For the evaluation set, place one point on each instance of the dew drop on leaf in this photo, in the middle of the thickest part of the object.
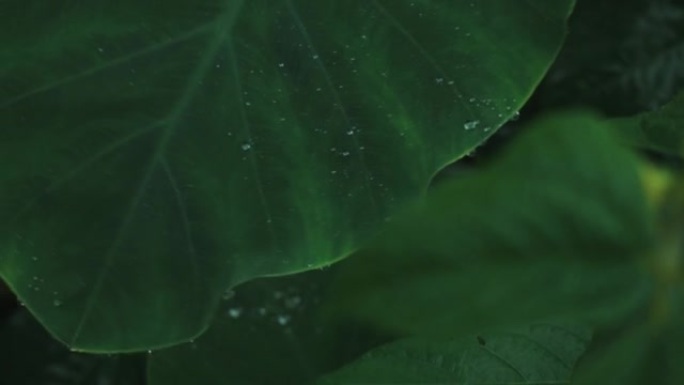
(470, 125)
(283, 319)
(234, 312)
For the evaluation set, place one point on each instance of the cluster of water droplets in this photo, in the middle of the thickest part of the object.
(280, 307)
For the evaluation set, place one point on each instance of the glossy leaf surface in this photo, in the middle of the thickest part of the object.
(557, 226)
(153, 155)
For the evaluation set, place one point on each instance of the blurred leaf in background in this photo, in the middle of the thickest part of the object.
(556, 227)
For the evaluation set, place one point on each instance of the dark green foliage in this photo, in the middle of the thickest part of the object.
(249, 192)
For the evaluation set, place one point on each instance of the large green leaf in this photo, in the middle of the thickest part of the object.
(153, 155)
(539, 354)
(556, 227)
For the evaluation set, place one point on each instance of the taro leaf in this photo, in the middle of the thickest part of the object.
(30, 356)
(661, 130)
(267, 332)
(538, 354)
(154, 155)
(553, 228)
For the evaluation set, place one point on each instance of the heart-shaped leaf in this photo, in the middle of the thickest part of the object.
(153, 155)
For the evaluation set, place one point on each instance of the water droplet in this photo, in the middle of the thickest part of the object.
(56, 303)
(248, 104)
(246, 146)
(34, 258)
(516, 116)
(471, 124)
(283, 319)
(315, 57)
(439, 80)
(345, 153)
(234, 312)
(281, 65)
(262, 311)
(149, 352)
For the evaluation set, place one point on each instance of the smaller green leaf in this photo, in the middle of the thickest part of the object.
(539, 354)
(556, 227)
(661, 130)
